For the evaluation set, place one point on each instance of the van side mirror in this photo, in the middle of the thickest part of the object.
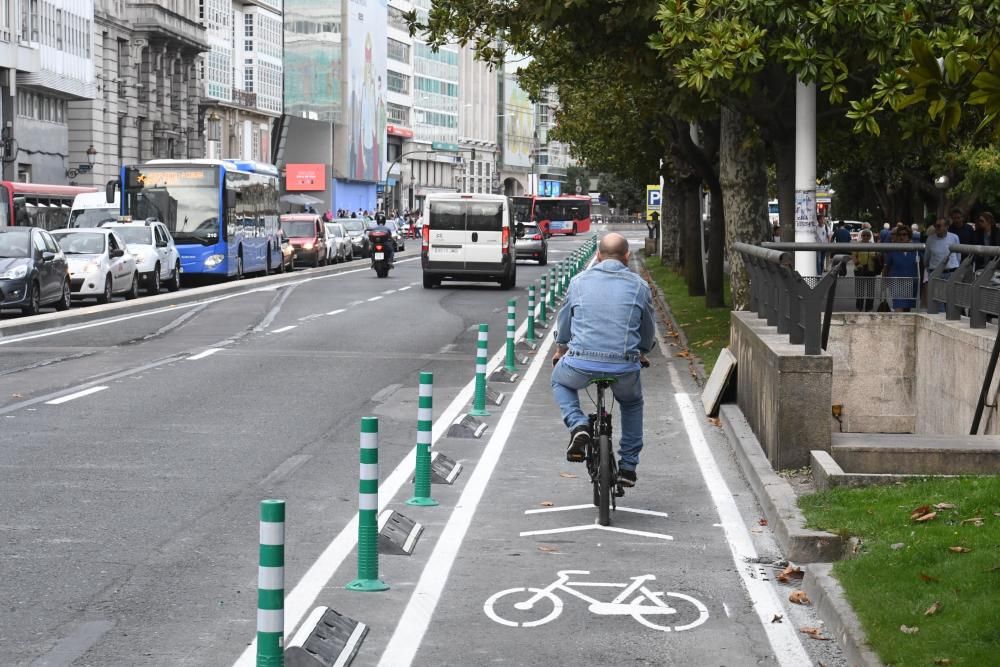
(519, 230)
(109, 191)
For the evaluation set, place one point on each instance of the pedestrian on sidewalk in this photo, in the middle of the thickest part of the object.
(866, 266)
(604, 329)
(903, 266)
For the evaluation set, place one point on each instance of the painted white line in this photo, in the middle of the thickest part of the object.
(414, 284)
(403, 289)
(207, 353)
(74, 396)
(412, 537)
(352, 641)
(319, 574)
(337, 312)
(375, 298)
(544, 510)
(639, 511)
(594, 526)
(389, 291)
(416, 618)
(284, 329)
(783, 636)
(158, 311)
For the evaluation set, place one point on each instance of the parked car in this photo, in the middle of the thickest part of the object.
(33, 271)
(469, 237)
(308, 237)
(156, 256)
(100, 265)
(358, 231)
(337, 237)
(287, 253)
(531, 244)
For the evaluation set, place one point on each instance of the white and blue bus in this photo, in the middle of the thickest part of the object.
(223, 214)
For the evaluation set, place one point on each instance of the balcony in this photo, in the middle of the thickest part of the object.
(158, 21)
(244, 99)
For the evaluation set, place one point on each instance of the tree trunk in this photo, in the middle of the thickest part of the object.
(670, 223)
(691, 212)
(743, 177)
(714, 277)
(784, 167)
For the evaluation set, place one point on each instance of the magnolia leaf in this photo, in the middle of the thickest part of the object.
(546, 503)
(944, 506)
(926, 517)
(799, 597)
(933, 609)
(908, 630)
(959, 550)
(567, 475)
(814, 633)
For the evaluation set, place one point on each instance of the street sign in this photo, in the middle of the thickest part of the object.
(443, 146)
(654, 197)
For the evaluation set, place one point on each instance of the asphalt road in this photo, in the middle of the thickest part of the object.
(133, 456)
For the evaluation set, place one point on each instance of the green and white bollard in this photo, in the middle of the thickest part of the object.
(425, 421)
(368, 580)
(510, 363)
(529, 335)
(479, 399)
(543, 304)
(271, 585)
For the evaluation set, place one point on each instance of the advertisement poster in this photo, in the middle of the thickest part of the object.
(312, 59)
(519, 123)
(805, 210)
(365, 113)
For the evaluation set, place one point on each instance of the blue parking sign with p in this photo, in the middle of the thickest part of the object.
(653, 198)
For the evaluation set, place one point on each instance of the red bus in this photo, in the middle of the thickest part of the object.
(568, 214)
(36, 204)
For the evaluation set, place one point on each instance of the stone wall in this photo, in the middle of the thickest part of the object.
(874, 371)
(784, 394)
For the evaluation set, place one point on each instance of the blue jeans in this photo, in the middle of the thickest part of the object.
(568, 381)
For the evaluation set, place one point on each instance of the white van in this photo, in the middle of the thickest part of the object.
(468, 237)
(90, 209)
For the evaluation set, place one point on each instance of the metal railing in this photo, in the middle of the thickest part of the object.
(802, 306)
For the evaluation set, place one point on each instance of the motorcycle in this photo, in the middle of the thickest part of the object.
(379, 261)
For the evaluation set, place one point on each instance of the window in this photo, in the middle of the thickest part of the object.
(397, 114)
(398, 51)
(397, 83)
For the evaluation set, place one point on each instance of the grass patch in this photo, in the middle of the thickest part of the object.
(894, 587)
(707, 329)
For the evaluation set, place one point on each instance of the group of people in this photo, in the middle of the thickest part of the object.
(913, 266)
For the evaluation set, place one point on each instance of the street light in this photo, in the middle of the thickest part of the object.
(92, 155)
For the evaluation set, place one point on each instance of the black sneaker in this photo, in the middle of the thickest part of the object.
(579, 439)
(626, 477)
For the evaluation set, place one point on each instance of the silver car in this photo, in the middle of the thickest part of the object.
(341, 248)
(532, 244)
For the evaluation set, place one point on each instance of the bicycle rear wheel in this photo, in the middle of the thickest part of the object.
(604, 480)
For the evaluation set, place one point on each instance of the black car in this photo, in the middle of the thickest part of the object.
(33, 271)
(358, 231)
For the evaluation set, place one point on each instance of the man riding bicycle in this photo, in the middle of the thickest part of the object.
(605, 328)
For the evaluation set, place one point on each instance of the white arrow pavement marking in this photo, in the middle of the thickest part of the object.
(74, 396)
(568, 508)
(594, 526)
(319, 574)
(207, 353)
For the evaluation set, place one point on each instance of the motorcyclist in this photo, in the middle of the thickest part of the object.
(381, 233)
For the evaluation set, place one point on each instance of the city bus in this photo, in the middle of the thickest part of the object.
(567, 214)
(37, 204)
(223, 214)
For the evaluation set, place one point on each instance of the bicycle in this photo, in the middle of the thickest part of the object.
(646, 603)
(601, 465)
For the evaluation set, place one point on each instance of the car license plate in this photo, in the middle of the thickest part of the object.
(380, 255)
(446, 250)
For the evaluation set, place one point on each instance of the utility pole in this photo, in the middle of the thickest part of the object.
(805, 175)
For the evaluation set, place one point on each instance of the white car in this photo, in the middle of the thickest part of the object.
(100, 265)
(156, 256)
(339, 242)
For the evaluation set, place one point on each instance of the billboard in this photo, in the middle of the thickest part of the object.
(312, 59)
(519, 121)
(653, 200)
(361, 156)
(305, 177)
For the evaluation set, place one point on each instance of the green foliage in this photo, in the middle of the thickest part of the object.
(623, 193)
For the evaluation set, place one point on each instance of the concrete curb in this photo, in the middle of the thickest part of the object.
(831, 605)
(798, 543)
(79, 316)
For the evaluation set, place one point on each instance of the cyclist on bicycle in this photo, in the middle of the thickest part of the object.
(604, 329)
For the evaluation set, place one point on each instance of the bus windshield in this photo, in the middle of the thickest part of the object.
(186, 199)
(521, 207)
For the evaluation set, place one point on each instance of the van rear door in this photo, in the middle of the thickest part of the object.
(484, 234)
(447, 235)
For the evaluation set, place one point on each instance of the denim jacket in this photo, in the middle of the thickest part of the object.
(607, 315)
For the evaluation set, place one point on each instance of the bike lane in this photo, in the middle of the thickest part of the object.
(535, 581)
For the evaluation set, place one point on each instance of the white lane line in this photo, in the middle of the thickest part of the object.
(389, 291)
(284, 329)
(414, 284)
(375, 298)
(337, 312)
(299, 601)
(416, 618)
(207, 353)
(783, 636)
(74, 396)
(403, 289)
(157, 311)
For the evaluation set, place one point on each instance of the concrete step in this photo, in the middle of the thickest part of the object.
(916, 454)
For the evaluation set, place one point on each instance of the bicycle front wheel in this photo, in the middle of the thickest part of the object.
(604, 480)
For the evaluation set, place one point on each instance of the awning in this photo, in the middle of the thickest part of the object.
(301, 200)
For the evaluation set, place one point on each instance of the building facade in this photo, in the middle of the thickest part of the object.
(399, 108)
(477, 119)
(519, 143)
(551, 157)
(242, 76)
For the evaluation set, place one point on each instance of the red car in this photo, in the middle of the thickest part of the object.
(307, 234)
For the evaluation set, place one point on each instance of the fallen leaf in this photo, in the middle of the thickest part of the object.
(567, 475)
(16, 396)
(897, 546)
(547, 503)
(776, 618)
(976, 521)
(942, 661)
(944, 506)
(547, 549)
(814, 633)
(959, 550)
(715, 421)
(926, 517)
(933, 609)
(920, 511)
(789, 573)
(928, 578)
(762, 522)
(706, 343)
(908, 630)
(996, 514)
(799, 597)
(683, 353)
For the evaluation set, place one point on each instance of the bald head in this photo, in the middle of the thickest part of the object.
(613, 246)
